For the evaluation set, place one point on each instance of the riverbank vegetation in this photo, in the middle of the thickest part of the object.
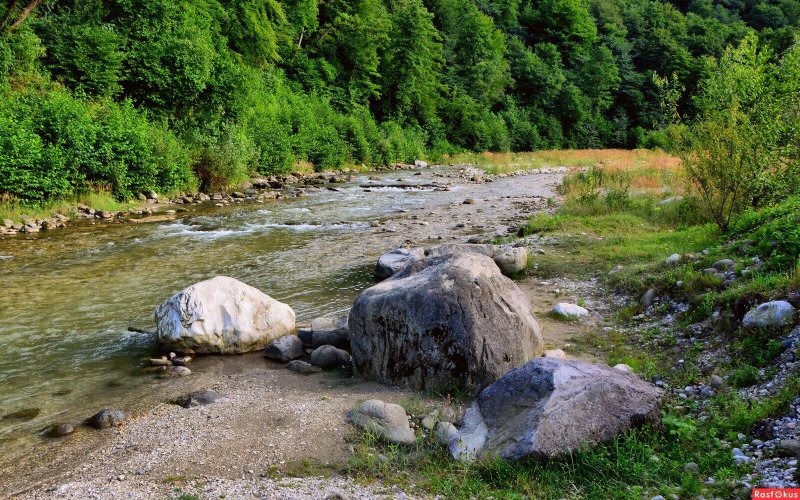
(176, 96)
(656, 230)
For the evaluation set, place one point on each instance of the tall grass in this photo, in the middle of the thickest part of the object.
(609, 159)
(14, 209)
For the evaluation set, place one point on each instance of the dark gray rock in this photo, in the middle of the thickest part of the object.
(107, 418)
(60, 430)
(646, 300)
(549, 407)
(328, 356)
(302, 367)
(443, 322)
(724, 265)
(789, 448)
(325, 331)
(199, 398)
(285, 349)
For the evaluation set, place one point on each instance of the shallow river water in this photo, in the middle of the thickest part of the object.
(69, 296)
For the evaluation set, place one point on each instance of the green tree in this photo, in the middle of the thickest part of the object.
(742, 148)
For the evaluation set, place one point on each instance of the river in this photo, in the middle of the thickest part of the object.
(69, 296)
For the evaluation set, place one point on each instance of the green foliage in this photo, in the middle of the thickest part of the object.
(55, 145)
(741, 151)
(262, 85)
(775, 232)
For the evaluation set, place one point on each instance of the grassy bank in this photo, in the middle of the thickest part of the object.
(15, 210)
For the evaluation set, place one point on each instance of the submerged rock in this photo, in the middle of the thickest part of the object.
(23, 414)
(222, 315)
(443, 322)
(549, 407)
(389, 421)
(107, 418)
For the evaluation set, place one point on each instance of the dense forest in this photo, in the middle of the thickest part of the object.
(127, 95)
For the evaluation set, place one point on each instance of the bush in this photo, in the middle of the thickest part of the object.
(56, 146)
(744, 376)
(775, 232)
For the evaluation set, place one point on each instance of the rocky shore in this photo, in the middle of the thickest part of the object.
(268, 417)
(154, 208)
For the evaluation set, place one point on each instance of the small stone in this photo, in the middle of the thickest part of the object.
(569, 311)
(691, 467)
(672, 259)
(469, 201)
(389, 421)
(429, 422)
(646, 300)
(555, 353)
(623, 368)
(285, 349)
(176, 371)
(181, 360)
(163, 361)
(302, 367)
(615, 270)
(327, 356)
(200, 398)
(107, 418)
(716, 381)
(60, 430)
(724, 265)
(445, 432)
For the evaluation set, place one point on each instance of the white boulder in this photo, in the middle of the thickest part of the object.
(222, 315)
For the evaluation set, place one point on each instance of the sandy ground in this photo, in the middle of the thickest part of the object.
(270, 418)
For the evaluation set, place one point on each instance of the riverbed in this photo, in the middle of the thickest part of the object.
(69, 296)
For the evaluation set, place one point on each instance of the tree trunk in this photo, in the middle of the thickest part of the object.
(24, 14)
(12, 4)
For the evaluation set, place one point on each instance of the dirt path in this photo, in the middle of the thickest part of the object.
(270, 418)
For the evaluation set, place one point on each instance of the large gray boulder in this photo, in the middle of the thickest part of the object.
(443, 322)
(548, 407)
(222, 315)
(396, 260)
(770, 315)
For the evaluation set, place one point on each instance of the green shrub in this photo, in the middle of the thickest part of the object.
(744, 376)
(775, 231)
